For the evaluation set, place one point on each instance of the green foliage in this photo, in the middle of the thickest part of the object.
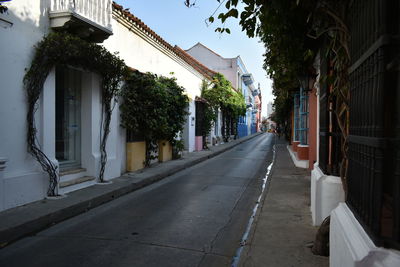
(177, 147)
(153, 107)
(176, 104)
(283, 106)
(3, 9)
(65, 49)
(211, 107)
(142, 111)
(283, 27)
(284, 32)
(221, 95)
(59, 48)
(292, 32)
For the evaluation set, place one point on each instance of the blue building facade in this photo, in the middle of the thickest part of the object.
(242, 128)
(246, 124)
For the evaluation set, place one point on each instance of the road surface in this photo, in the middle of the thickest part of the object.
(195, 217)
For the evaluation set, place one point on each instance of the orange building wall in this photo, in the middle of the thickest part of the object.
(312, 131)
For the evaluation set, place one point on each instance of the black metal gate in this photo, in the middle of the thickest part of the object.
(199, 127)
(374, 155)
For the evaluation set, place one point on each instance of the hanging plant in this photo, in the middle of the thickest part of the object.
(154, 108)
(60, 48)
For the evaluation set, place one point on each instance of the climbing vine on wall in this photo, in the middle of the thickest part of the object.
(220, 95)
(153, 108)
(59, 48)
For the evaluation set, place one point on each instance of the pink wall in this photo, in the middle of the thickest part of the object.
(198, 143)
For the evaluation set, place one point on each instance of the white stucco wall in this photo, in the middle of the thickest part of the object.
(22, 179)
(209, 58)
(188, 134)
(227, 66)
(231, 72)
(142, 53)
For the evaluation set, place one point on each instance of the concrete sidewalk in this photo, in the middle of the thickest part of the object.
(28, 219)
(282, 231)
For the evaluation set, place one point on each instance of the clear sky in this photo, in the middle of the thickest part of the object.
(185, 27)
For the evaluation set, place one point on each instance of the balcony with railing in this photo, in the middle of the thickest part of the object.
(89, 19)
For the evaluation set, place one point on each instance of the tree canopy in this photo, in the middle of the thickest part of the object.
(292, 32)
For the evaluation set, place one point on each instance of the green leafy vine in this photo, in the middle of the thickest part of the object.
(220, 95)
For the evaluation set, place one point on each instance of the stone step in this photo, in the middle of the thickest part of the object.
(73, 171)
(77, 181)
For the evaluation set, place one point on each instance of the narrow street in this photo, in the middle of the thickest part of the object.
(193, 218)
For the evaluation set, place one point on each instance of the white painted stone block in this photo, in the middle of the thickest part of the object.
(326, 193)
(350, 246)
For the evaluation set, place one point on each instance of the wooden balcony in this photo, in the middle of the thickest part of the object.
(89, 19)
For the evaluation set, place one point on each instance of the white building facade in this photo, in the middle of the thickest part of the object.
(69, 111)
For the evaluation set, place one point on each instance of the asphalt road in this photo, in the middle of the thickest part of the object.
(193, 218)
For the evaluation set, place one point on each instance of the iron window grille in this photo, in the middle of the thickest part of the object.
(373, 143)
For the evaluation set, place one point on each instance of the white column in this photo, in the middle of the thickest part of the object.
(48, 117)
(91, 120)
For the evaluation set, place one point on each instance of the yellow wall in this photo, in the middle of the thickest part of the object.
(164, 151)
(135, 156)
